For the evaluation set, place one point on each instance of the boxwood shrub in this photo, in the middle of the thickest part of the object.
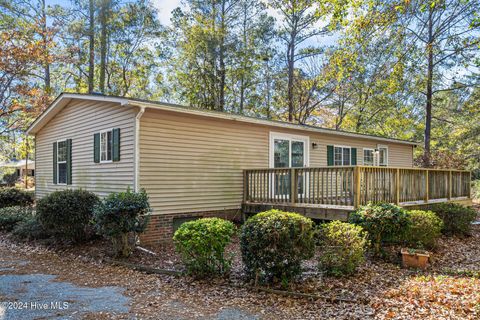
(342, 247)
(202, 244)
(67, 214)
(10, 197)
(121, 215)
(274, 243)
(457, 219)
(11, 216)
(384, 222)
(424, 229)
(30, 229)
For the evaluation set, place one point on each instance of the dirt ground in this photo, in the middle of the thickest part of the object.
(450, 289)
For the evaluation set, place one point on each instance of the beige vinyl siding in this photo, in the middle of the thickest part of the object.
(192, 163)
(78, 121)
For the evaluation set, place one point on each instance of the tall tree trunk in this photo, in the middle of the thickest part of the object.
(46, 66)
(91, 36)
(291, 66)
(428, 107)
(105, 8)
(221, 70)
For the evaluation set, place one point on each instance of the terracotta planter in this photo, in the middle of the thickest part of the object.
(412, 258)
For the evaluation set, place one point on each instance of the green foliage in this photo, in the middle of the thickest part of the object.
(383, 222)
(343, 247)
(10, 179)
(456, 218)
(274, 243)
(424, 229)
(10, 197)
(202, 243)
(67, 214)
(30, 229)
(120, 214)
(476, 189)
(11, 216)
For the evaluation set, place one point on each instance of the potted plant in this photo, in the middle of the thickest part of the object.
(415, 258)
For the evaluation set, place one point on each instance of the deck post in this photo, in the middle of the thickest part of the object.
(397, 187)
(245, 186)
(449, 184)
(293, 186)
(357, 195)
(426, 186)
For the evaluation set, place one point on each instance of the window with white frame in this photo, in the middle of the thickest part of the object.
(383, 155)
(62, 162)
(342, 156)
(368, 157)
(106, 146)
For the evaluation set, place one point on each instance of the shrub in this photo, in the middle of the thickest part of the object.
(343, 247)
(67, 214)
(11, 216)
(274, 243)
(30, 229)
(10, 197)
(119, 215)
(424, 229)
(202, 243)
(476, 189)
(10, 179)
(383, 222)
(456, 218)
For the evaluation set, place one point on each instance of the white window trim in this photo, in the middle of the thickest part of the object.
(344, 147)
(59, 162)
(100, 146)
(363, 156)
(386, 156)
(290, 138)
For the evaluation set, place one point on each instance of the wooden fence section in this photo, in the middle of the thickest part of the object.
(352, 186)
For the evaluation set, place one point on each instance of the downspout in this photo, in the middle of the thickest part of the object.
(137, 148)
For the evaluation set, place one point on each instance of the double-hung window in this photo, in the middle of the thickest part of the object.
(368, 157)
(62, 162)
(342, 156)
(383, 155)
(106, 146)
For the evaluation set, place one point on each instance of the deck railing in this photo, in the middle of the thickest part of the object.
(353, 186)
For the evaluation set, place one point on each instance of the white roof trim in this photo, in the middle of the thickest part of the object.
(64, 98)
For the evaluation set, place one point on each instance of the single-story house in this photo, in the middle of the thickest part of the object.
(20, 167)
(194, 163)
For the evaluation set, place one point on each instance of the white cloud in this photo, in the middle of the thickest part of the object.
(165, 8)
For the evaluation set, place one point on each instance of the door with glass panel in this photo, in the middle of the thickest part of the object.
(288, 153)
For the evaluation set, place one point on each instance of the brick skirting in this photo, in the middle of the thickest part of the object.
(160, 228)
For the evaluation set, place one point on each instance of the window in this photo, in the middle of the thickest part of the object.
(62, 162)
(342, 156)
(383, 155)
(106, 146)
(368, 157)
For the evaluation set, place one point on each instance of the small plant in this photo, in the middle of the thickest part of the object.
(202, 243)
(67, 214)
(424, 229)
(343, 247)
(11, 216)
(30, 229)
(120, 215)
(10, 179)
(383, 222)
(457, 219)
(274, 243)
(10, 197)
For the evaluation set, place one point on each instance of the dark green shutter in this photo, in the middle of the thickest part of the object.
(330, 155)
(96, 147)
(69, 161)
(354, 156)
(54, 163)
(116, 145)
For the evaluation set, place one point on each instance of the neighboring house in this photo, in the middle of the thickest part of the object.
(192, 162)
(20, 167)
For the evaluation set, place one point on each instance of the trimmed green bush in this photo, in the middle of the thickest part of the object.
(202, 244)
(424, 229)
(30, 229)
(10, 179)
(343, 248)
(11, 197)
(11, 216)
(274, 244)
(457, 219)
(384, 222)
(67, 214)
(120, 215)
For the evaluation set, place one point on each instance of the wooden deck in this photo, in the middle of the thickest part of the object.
(330, 193)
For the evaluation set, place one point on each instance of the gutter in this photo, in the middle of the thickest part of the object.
(137, 148)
